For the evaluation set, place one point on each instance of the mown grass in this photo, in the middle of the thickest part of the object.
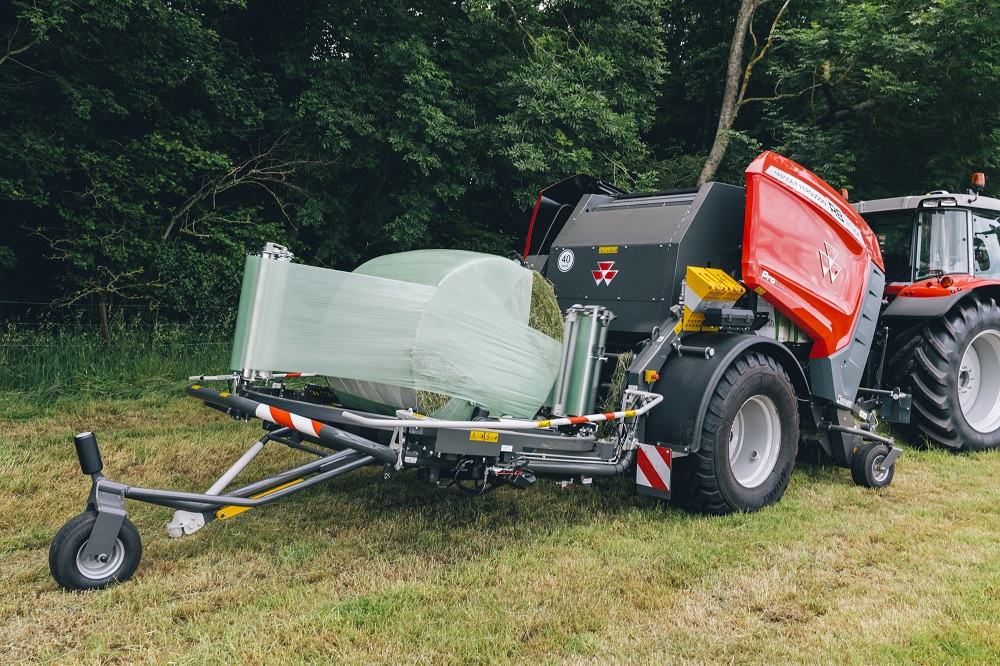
(363, 571)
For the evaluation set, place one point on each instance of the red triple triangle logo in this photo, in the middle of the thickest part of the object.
(604, 273)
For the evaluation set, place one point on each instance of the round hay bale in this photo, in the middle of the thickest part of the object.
(482, 279)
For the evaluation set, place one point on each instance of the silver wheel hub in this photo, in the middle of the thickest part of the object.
(754, 441)
(98, 568)
(879, 473)
(979, 382)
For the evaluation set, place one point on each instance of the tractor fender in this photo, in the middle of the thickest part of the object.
(910, 307)
(928, 300)
(688, 380)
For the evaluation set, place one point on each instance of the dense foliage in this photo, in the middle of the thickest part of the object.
(146, 146)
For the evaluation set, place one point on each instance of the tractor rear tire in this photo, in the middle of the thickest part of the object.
(749, 441)
(951, 366)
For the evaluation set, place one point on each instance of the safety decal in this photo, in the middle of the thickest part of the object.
(652, 470)
(604, 273)
(821, 200)
(565, 260)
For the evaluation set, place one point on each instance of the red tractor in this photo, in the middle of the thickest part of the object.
(940, 316)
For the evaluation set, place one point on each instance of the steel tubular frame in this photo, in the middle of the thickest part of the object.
(107, 497)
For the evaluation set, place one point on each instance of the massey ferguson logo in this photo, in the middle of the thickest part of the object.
(828, 260)
(604, 273)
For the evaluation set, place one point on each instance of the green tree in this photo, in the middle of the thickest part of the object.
(149, 145)
(891, 98)
(442, 122)
(124, 125)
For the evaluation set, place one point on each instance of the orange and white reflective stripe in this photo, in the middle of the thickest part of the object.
(652, 399)
(593, 418)
(287, 419)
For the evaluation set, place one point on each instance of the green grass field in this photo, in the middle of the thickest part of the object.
(361, 571)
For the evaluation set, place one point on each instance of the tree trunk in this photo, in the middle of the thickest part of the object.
(730, 98)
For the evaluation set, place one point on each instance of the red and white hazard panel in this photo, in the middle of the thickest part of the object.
(652, 470)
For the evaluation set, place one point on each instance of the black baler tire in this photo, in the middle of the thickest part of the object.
(706, 481)
(73, 536)
(863, 466)
(926, 364)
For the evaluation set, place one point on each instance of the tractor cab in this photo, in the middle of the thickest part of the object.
(935, 236)
(940, 317)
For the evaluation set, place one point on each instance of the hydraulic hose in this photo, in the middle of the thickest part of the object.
(582, 468)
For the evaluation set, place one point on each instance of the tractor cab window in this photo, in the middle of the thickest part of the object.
(986, 243)
(942, 243)
(895, 240)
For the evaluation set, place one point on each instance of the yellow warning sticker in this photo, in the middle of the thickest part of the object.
(760, 290)
(480, 436)
(608, 249)
(544, 424)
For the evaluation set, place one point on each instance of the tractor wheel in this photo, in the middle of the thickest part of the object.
(951, 365)
(866, 466)
(748, 442)
(73, 571)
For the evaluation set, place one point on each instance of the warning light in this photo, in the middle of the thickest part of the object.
(978, 181)
(843, 193)
(947, 281)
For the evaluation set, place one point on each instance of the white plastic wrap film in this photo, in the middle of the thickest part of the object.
(442, 321)
(488, 276)
(383, 394)
(312, 319)
(262, 278)
(473, 342)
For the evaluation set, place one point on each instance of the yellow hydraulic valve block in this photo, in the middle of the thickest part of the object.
(704, 288)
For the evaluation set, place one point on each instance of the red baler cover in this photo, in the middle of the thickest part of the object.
(806, 251)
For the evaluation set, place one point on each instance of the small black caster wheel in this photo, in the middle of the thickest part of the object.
(73, 571)
(866, 466)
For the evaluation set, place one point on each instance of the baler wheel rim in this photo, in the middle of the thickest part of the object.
(754, 441)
